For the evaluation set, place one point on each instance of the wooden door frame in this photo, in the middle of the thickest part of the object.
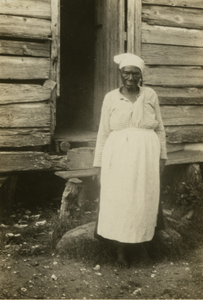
(55, 59)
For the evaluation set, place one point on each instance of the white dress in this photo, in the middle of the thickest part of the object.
(130, 142)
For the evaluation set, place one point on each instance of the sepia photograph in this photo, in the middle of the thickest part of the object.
(101, 149)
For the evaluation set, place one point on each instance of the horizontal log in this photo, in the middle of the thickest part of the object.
(25, 115)
(184, 157)
(174, 76)
(24, 137)
(31, 8)
(74, 136)
(172, 16)
(180, 3)
(184, 146)
(77, 174)
(172, 55)
(171, 35)
(22, 27)
(182, 115)
(24, 68)
(179, 96)
(184, 134)
(22, 48)
(174, 147)
(80, 158)
(31, 161)
(15, 93)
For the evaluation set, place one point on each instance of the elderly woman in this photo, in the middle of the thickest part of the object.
(130, 154)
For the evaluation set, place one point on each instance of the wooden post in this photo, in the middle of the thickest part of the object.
(72, 199)
(7, 194)
(55, 57)
(134, 31)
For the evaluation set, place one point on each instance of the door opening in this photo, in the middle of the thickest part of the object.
(74, 109)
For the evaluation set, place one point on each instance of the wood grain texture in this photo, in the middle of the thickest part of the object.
(174, 147)
(77, 174)
(172, 16)
(55, 45)
(23, 27)
(182, 115)
(55, 59)
(171, 35)
(24, 68)
(31, 161)
(172, 55)
(16, 93)
(24, 48)
(31, 8)
(179, 96)
(24, 137)
(25, 115)
(174, 76)
(184, 134)
(180, 3)
(184, 157)
(134, 26)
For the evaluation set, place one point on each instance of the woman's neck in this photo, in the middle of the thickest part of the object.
(130, 92)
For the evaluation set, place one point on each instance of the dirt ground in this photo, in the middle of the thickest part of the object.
(31, 268)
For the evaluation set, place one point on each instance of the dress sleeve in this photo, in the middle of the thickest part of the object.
(103, 133)
(160, 129)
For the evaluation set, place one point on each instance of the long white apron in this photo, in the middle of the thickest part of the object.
(129, 186)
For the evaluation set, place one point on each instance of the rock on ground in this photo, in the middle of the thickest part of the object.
(81, 232)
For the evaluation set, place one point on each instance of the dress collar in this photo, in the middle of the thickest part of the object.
(122, 97)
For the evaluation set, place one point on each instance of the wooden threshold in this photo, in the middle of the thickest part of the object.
(74, 135)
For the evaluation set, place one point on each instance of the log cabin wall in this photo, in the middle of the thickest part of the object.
(172, 48)
(28, 56)
(168, 35)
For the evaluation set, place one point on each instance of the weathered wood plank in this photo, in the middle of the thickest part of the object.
(182, 115)
(16, 93)
(179, 96)
(21, 27)
(77, 174)
(184, 134)
(174, 76)
(174, 147)
(30, 161)
(74, 136)
(172, 55)
(24, 48)
(184, 146)
(134, 26)
(24, 137)
(180, 3)
(80, 158)
(25, 115)
(31, 8)
(171, 35)
(184, 157)
(55, 58)
(24, 68)
(172, 16)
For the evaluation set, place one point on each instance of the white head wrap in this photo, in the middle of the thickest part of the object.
(128, 59)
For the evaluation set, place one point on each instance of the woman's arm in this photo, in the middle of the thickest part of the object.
(160, 130)
(103, 133)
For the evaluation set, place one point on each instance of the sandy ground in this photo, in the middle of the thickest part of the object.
(30, 268)
(53, 277)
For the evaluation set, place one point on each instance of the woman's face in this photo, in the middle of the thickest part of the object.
(130, 76)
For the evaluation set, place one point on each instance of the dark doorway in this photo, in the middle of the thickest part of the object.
(74, 109)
